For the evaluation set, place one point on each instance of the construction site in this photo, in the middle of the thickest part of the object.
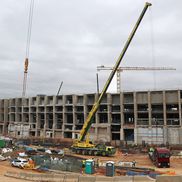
(93, 137)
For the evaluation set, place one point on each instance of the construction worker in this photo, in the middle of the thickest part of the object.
(31, 163)
(151, 149)
(83, 163)
(83, 166)
(133, 163)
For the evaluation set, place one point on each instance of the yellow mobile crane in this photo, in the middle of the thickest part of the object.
(86, 146)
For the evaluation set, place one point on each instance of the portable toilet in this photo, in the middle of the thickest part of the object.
(110, 168)
(89, 166)
(2, 143)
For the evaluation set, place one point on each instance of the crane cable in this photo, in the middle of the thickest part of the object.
(154, 64)
(29, 27)
(28, 46)
(152, 46)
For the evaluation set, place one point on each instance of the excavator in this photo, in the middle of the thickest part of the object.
(83, 145)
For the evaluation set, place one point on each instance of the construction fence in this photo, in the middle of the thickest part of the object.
(70, 164)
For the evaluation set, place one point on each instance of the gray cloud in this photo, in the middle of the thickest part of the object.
(71, 38)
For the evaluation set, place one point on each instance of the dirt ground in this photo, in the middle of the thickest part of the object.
(142, 160)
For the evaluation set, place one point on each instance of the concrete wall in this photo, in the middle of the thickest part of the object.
(159, 135)
(136, 112)
(150, 135)
(69, 177)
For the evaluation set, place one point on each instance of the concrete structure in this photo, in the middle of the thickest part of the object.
(134, 117)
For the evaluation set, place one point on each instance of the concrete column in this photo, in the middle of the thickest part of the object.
(5, 126)
(109, 137)
(179, 106)
(180, 135)
(63, 127)
(37, 109)
(74, 115)
(164, 107)
(96, 133)
(45, 117)
(96, 120)
(135, 136)
(122, 116)
(109, 102)
(135, 109)
(85, 106)
(149, 108)
(121, 134)
(122, 109)
(135, 117)
(16, 110)
(165, 135)
(165, 129)
(54, 117)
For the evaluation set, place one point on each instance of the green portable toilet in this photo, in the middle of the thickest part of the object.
(2, 143)
(110, 168)
(89, 166)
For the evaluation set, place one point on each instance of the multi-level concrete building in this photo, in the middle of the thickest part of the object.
(150, 116)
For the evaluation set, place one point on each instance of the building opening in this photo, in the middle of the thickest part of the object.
(115, 136)
(129, 135)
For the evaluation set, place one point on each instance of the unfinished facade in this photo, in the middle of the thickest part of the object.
(133, 117)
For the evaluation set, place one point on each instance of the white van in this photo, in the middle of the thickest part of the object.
(19, 162)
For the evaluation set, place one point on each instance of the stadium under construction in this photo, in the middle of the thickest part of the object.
(153, 117)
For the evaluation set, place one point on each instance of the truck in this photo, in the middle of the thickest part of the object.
(160, 156)
(83, 145)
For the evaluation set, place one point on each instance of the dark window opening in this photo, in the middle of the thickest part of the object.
(129, 118)
(103, 108)
(128, 108)
(116, 118)
(80, 118)
(115, 108)
(115, 136)
(103, 118)
(67, 135)
(142, 107)
(143, 119)
(128, 134)
(115, 128)
(69, 118)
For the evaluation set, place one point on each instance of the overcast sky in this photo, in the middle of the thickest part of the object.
(70, 38)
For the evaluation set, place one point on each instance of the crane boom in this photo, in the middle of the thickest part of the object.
(95, 107)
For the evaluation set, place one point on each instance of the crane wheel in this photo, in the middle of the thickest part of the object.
(95, 152)
(77, 152)
(103, 153)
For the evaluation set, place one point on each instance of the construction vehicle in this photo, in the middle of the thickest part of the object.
(160, 156)
(82, 146)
